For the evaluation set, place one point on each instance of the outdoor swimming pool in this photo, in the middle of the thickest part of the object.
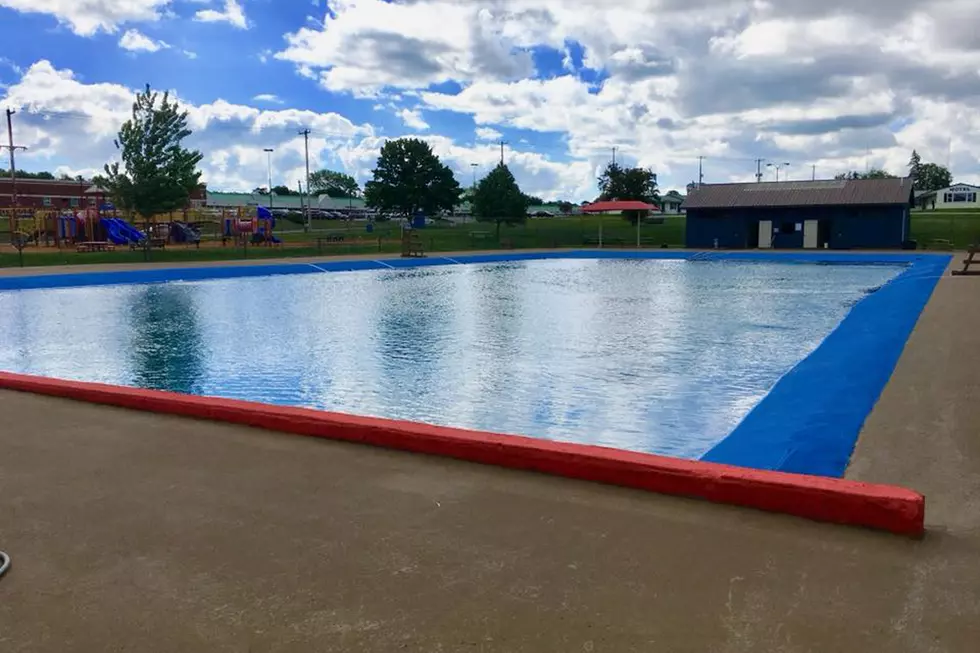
(658, 356)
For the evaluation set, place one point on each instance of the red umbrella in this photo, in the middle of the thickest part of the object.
(618, 205)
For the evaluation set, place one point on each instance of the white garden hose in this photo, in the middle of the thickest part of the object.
(4, 563)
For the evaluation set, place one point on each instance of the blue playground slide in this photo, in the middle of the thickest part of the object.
(121, 232)
(266, 214)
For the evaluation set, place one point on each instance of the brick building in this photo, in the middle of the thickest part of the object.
(57, 194)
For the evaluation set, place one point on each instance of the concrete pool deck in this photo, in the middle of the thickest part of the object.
(143, 532)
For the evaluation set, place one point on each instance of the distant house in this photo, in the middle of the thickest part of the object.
(959, 196)
(671, 203)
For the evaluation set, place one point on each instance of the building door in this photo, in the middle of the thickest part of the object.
(765, 234)
(810, 234)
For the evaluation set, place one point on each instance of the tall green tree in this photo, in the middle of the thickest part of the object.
(915, 169)
(499, 199)
(409, 178)
(157, 174)
(933, 176)
(619, 183)
(334, 184)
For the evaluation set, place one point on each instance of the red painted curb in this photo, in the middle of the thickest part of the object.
(840, 501)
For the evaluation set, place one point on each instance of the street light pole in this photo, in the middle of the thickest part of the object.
(777, 167)
(268, 151)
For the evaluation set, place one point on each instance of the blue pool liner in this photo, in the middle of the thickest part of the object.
(809, 421)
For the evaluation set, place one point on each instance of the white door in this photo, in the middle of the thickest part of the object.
(810, 234)
(765, 234)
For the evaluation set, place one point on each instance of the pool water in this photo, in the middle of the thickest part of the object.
(660, 356)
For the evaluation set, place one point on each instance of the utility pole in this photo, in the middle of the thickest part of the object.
(614, 155)
(814, 176)
(758, 170)
(700, 171)
(502, 143)
(13, 170)
(306, 144)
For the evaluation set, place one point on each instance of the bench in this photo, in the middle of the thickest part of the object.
(329, 238)
(481, 235)
(95, 246)
(412, 245)
(941, 243)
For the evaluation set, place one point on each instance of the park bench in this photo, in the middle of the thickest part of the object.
(941, 243)
(94, 246)
(412, 245)
(968, 261)
(481, 235)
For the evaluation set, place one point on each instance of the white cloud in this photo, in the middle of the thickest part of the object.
(413, 119)
(487, 134)
(269, 98)
(135, 41)
(86, 17)
(233, 14)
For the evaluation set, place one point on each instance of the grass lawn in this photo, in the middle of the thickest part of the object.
(339, 238)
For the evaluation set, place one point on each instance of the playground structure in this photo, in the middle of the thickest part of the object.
(107, 226)
(242, 229)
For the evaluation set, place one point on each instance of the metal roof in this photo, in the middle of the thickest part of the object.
(833, 192)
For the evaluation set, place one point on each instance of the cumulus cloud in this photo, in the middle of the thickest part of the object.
(135, 41)
(86, 17)
(487, 134)
(231, 13)
(413, 119)
(839, 85)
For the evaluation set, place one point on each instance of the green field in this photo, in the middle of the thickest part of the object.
(339, 238)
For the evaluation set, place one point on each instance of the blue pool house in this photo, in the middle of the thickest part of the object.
(832, 214)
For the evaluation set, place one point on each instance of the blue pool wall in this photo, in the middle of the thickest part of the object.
(809, 421)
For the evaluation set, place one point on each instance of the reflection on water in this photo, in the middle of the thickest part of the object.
(659, 356)
(165, 344)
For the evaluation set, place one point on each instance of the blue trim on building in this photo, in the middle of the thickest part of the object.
(808, 422)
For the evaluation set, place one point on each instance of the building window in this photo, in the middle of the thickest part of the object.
(46, 201)
(73, 202)
(964, 197)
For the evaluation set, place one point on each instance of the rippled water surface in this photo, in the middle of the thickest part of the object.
(658, 356)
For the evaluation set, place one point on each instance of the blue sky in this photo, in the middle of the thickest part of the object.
(838, 87)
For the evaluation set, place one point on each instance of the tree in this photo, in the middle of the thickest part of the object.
(874, 173)
(158, 174)
(409, 178)
(284, 191)
(619, 183)
(333, 184)
(23, 174)
(933, 177)
(534, 200)
(915, 170)
(565, 206)
(499, 199)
